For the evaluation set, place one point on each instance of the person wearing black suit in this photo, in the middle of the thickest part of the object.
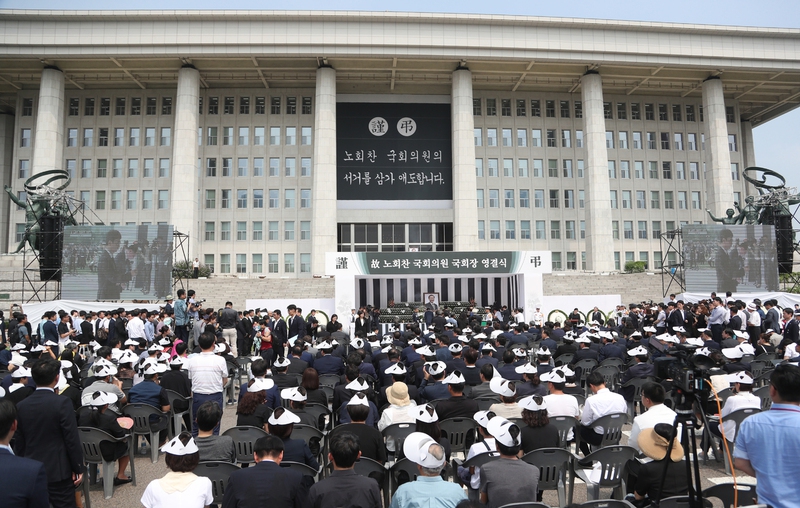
(22, 480)
(49, 328)
(279, 335)
(266, 484)
(297, 327)
(48, 432)
(361, 324)
(297, 365)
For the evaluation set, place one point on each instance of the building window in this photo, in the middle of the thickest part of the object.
(116, 199)
(225, 198)
(525, 230)
(553, 198)
(682, 200)
(608, 113)
(27, 107)
(735, 171)
(258, 136)
(305, 198)
(272, 263)
(614, 203)
(476, 107)
(119, 108)
(288, 263)
(555, 230)
(511, 230)
(550, 109)
(522, 165)
(730, 115)
(540, 230)
(551, 138)
(578, 109)
(666, 170)
(669, 203)
(305, 263)
(258, 198)
(662, 113)
(481, 230)
(289, 166)
(478, 167)
(258, 230)
(163, 199)
(538, 198)
(494, 229)
(241, 166)
(508, 200)
(536, 137)
(274, 198)
(306, 108)
(211, 166)
(732, 143)
(494, 198)
(564, 107)
(480, 197)
(581, 198)
(665, 140)
(627, 230)
(100, 200)
(130, 203)
(72, 137)
(569, 198)
(291, 105)
(289, 198)
(691, 141)
(569, 230)
(211, 198)
(536, 107)
(656, 225)
(612, 169)
(655, 200)
(241, 231)
(291, 136)
(609, 139)
(505, 107)
(241, 198)
(305, 230)
(695, 200)
(491, 107)
(23, 168)
(506, 133)
(493, 170)
(524, 198)
(491, 137)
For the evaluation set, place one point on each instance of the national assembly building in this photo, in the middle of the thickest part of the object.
(273, 138)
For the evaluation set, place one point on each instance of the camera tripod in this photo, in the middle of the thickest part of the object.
(686, 418)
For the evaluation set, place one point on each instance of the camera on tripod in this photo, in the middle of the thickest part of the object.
(689, 373)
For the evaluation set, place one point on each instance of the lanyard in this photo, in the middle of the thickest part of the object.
(785, 409)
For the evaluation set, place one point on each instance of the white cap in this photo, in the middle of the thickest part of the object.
(455, 347)
(520, 352)
(651, 329)
(424, 413)
(358, 384)
(436, 368)
(479, 336)
(740, 377)
(104, 370)
(51, 343)
(482, 418)
(20, 373)
(679, 329)
(176, 447)
(357, 343)
(488, 347)
(178, 360)
(261, 383)
(358, 399)
(127, 356)
(454, 378)
(282, 362)
(415, 341)
(154, 348)
(19, 346)
(151, 368)
(324, 345)
(695, 341)
(703, 352)
(502, 387)
(396, 368)
(425, 351)
(554, 376)
(637, 351)
(583, 339)
(100, 398)
(527, 368)
(38, 349)
(416, 448)
(293, 394)
(131, 342)
(751, 306)
(287, 418)
(466, 330)
(542, 351)
(530, 404)
(498, 428)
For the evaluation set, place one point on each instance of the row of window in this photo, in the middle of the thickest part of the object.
(540, 231)
(637, 141)
(639, 169)
(243, 136)
(136, 106)
(619, 110)
(257, 231)
(242, 198)
(572, 264)
(150, 168)
(257, 263)
(224, 166)
(131, 199)
(554, 201)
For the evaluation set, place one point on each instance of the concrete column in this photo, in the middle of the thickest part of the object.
(748, 150)
(184, 195)
(465, 205)
(6, 172)
(323, 223)
(48, 137)
(599, 241)
(719, 184)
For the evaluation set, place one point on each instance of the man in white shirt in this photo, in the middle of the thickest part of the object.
(135, 325)
(208, 373)
(604, 402)
(519, 317)
(538, 317)
(743, 399)
(653, 400)
(558, 402)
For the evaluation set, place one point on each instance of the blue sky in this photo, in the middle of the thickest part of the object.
(775, 142)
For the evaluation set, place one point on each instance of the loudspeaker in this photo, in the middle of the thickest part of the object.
(51, 240)
(784, 238)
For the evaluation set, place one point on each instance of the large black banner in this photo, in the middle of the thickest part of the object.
(388, 151)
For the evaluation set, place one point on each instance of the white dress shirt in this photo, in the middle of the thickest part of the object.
(562, 404)
(135, 328)
(206, 372)
(742, 400)
(658, 413)
(604, 402)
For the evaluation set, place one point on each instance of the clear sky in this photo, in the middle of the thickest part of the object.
(776, 142)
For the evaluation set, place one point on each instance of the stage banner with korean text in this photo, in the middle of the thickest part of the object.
(391, 151)
(421, 263)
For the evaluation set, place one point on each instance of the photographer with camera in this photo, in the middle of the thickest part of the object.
(768, 444)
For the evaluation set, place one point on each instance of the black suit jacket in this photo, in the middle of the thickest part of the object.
(48, 432)
(279, 334)
(265, 484)
(296, 326)
(23, 482)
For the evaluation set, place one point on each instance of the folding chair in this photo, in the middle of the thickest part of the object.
(565, 425)
(612, 461)
(244, 438)
(314, 438)
(144, 425)
(90, 443)
(176, 417)
(218, 473)
(554, 471)
(612, 428)
(725, 493)
(397, 433)
(460, 432)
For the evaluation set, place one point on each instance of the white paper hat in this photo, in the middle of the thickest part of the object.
(396, 368)
(455, 347)
(162, 357)
(466, 330)
(679, 329)
(637, 351)
(178, 360)
(425, 351)
(554, 376)
(324, 345)
(733, 352)
(488, 347)
(371, 334)
(293, 394)
(436, 368)
(2, 392)
(128, 356)
(542, 351)
(66, 364)
(131, 342)
(748, 348)
(282, 362)
(416, 448)
(520, 352)
(448, 325)
(651, 329)
(20, 373)
(51, 343)
(116, 354)
(94, 344)
(358, 384)
(502, 387)
(261, 383)
(479, 336)
(100, 398)
(164, 342)
(463, 338)
(286, 418)
(358, 399)
(498, 428)
(219, 347)
(424, 413)
(530, 404)
(176, 447)
(105, 369)
(740, 377)
(19, 346)
(695, 341)
(527, 368)
(415, 341)
(357, 343)
(387, 340)
(703, 352)
(637, 333)
(454, 378)
(151, 368)
(482, 417)
(38, 349)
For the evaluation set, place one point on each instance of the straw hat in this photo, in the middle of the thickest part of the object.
(654, 442)
(397, 394)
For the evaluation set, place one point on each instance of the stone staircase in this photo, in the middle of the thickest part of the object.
(216, 290)
(632, 287)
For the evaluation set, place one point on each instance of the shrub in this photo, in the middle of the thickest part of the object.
(635, 266)
(183, 270)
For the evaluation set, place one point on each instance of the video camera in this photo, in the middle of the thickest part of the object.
(689, 373)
